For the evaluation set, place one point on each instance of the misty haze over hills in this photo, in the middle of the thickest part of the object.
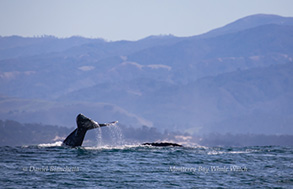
(234, 79)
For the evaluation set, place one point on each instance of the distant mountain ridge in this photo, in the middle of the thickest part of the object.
(230, 79)
(248, 23)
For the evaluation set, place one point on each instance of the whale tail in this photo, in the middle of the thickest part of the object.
(85, 122)
(83, 125)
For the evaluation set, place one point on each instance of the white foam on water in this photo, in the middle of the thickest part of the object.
(214, 152)
(109, 147)
(58, 143)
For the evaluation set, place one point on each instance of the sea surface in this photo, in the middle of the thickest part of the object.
(137, 166)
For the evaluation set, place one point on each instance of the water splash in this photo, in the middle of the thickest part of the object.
(113, 132)
(116, 135)
(98, 131)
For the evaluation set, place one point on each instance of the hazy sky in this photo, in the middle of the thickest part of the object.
(128, 19)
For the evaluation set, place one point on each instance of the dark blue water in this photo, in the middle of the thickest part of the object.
(48, 166)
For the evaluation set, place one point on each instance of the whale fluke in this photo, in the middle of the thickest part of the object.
(83, 125)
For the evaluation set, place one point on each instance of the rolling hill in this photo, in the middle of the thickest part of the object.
(236, 79)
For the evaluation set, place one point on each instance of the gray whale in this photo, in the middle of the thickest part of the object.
(83, 125)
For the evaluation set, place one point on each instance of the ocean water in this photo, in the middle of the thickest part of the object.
(136, 166)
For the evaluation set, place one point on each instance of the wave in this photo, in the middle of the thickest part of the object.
(107, 147)
(115, 146)
(58, 143)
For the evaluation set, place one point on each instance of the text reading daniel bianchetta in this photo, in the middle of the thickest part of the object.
(50, 169)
